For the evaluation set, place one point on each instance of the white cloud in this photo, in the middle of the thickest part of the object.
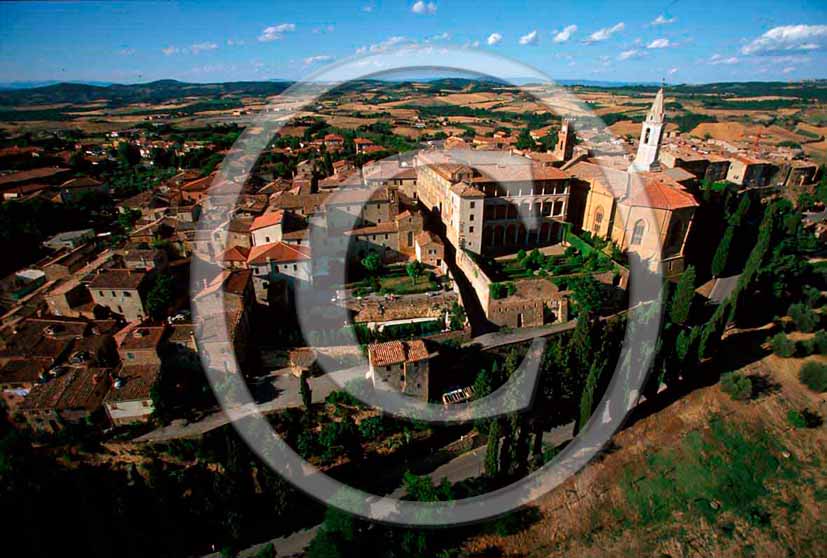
(663, 20)
(660, 43)
(420, 7)
(444, 36)
(788, 69)
(716, 59)
(529, 39)
(170, 50)
(202, 47)
(276, 32)
(384, 45)
(316, 59)
(788, 38)
(672, 71)
(605, 33)
(494, 39)
(565, 34)
(627, 54)
(126, 52)
(235, 42)
(368, 8)
(324, 29)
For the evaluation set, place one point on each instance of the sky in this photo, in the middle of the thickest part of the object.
(209, 41)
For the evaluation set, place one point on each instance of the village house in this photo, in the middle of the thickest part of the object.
(70, 239)
(278, 265)
(71, 395)
(122, 291)
(74, 188)
(430, 250)
(402, 366)
(130, 398)
(267, 228)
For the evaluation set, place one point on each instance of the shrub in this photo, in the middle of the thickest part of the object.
(820, 342)
(805, 319)
(782, 346)
(814, 376)
(812, 296)
(737, 386)
(804, 418)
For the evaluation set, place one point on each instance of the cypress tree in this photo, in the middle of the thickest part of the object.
(492, 451)
(589, 394)
(719, 261)
(682, 299)
(306, 393)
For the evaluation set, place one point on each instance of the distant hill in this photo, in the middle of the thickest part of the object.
(119, 95)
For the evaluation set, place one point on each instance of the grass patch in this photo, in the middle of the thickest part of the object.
(721, 470)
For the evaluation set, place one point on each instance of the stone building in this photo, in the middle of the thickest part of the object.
(401, 365)
(430, 250)
(491, 200)
(122, 291)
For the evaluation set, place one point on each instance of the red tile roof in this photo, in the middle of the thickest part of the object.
(235, 254)
(278, 252)
(267, 220)
(659, 191)
(395, 352)
(137, 381)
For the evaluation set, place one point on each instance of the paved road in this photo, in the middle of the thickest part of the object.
(287, 388)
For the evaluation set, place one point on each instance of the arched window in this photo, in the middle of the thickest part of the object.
(598, 220)
(646, 136)
(637, 233)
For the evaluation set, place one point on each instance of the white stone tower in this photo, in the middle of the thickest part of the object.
(650, 137)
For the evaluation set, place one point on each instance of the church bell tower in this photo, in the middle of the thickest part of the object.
(650, 138)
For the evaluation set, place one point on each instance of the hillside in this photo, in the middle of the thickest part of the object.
(704, 476)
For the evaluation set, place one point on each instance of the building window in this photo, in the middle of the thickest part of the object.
(127, 294)
(637, 233)
(473, 205)
(646, 136)
(295, 267)
(101, 293)
(130, 356)
(598, 219)
(266, 239)
(470, 229)
(471, 217)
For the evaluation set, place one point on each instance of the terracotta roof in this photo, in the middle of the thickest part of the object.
(77, 388)
(118, 279)
(362, 141)
(137, 379)
(352, 196)
(278, 252)
(32, 174)
(659, 191)
(240, 224)
(198, 185)
(381, 228)
(613, 180)
(141, 337)
(267, 220)
(82, 182)
(233, 282)
(465, 190)
(426, 237)
(23, 371)
(298, 234)
(517, 172)
(235, 254)
(333, 137)
(395, 352)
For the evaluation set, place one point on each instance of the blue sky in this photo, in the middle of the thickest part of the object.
(208, 41)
